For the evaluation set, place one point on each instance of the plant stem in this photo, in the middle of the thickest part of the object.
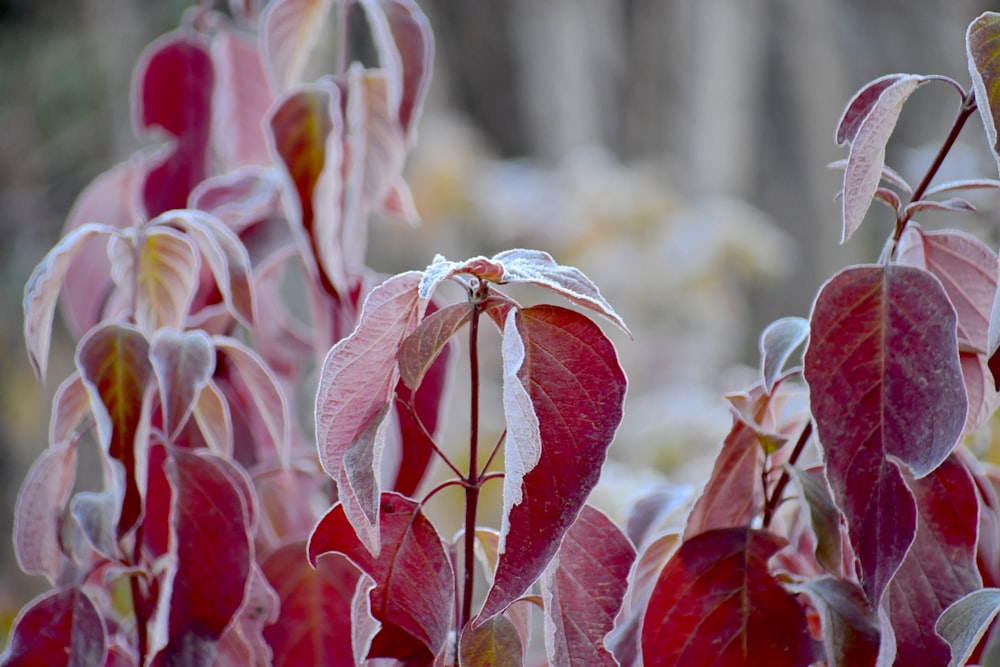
(473, 481)
(771, 504)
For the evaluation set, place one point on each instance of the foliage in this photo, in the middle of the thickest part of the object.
(218, 289)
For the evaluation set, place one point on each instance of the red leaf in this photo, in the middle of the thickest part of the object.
(860, 106)
(315, 619)
(419, 350)
(867, 156)
(174, 86)
(39, 509)
(850, 626)
(884, 378)
(415, 586)
(493, 643)
(563, 396)
(208, 583)
(939, 568)
(715, 603)
(114, 363)
(60, 628)
(583, 588)
(355, 390)
(183, 363)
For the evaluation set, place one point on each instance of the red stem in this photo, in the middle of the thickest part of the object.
(473, 479)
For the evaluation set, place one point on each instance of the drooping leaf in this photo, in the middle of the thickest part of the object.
(983, 51)
(289, 32)
(61, 628)
(208, 583)
(70, 408)
(419, 350)
(355, 389)
(885, 381)
(114, 364)
(243, 641)
(563, 396)
(940, 566)
(867, 155)
(494, 643)
(583, 588)
(965, 622)
(174, 89)
(183, 363)
(777, 343)
(860, 106)
(315, 617)
(823, 516)
(716, 603)
(952, 205)
(42, 291)
(39, 509)
(405, 47)
(969, 184)
(211, 413)
(415, 585)
(97, 514)
(241, 198)
(242, 97)
(851, 631)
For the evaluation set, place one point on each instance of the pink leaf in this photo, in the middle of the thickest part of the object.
(563, 396)
(173, 89)
(867, 156)
(183, 363)
(777, 343)
(204, 593)
(715, 603)
(70, 407)
(355, 389)
(984, 67)
(583, 588)
(970, 184)
(315, 621)
(240, 198)
(211, 412)
(860, 106)
(885, 381)
(42, 290)
(851, 631)
(983, 397)
(290, 30)
(415, 585)
(939, 568)
(39, 509)
(61, 628)
(242, 98)
(419, 350)
(953, 205)
(494, 643)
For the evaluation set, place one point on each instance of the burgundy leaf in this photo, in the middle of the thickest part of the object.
(966, 620)
(777, 343)
(563, 396)
(42, 290)
(860, 106)
(183, 363)
(315, 619)
(174, 86)
(114, 363)
(983, 53)
(419, 350)
(493, 643)
(884, 378)
(242, 98)
(356, 386)
(940, 567)
(850, 626)
(405, 47)
(61, 628)
(202, 593)
(716, 604)
(289, 32)
(39, 510)
(867, 156)
(415, 585)
(583, 588)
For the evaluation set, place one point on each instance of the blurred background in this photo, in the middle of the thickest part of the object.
(674, 150)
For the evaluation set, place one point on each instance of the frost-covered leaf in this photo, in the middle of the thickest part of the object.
(315, 621)
(983, 50)
(851, 631)
(716, 603)
(824, 517)
(97, 514)
(174, 90)
(60, 628)
(583, 588)
(953, 205)
(493, 643)
(183, 363)
(777, 343)
(70, 409)
(242, 98)
(563, 395)
(860, 106)
(211, 412)
(39, 509)
(970, 184)
(356, 387)
(867, 155)
(415, 586)
(965, 622)
(421, 348)
(940, 566)
(290, 30)
(885, 386)
(42, 291)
